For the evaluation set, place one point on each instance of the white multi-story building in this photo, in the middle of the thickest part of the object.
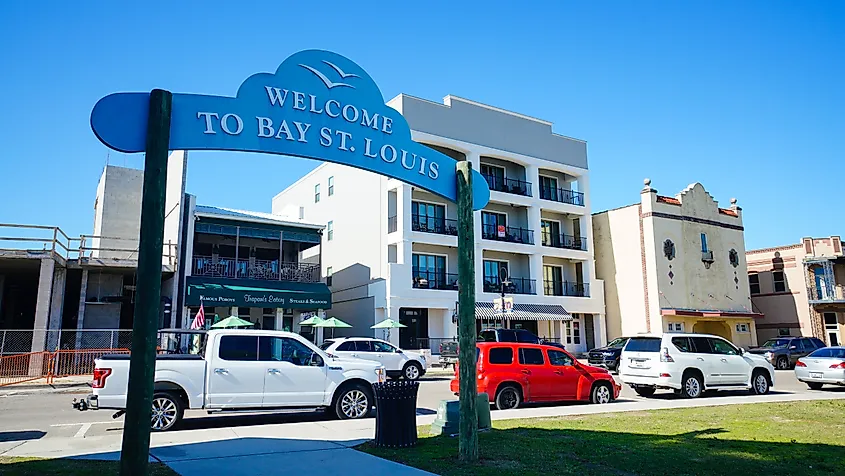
(390, 249)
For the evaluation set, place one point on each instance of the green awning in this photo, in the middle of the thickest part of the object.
(243, 293)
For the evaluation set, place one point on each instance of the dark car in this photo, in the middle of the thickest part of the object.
(783, 352)
(507, 335)
(608, 356)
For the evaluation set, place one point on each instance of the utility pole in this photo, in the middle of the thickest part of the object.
(135, 450)
(468, 389)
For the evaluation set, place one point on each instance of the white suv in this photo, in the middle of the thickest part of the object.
(690, 364)
(397, 362)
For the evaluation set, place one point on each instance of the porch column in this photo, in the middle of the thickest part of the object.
(80, 320)
(532, 176)
(42, 305)
(600, 336)
(56, 306)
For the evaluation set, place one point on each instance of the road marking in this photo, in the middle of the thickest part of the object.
(91, 423)
(81, 433)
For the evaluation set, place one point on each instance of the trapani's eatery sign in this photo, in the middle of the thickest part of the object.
(318, 105)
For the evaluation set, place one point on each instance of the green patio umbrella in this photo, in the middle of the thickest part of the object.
(388, 324)
(232, 322)
(332, 323)
(312, 321)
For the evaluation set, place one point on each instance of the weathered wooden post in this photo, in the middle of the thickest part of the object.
(468, 437)
(134, 453)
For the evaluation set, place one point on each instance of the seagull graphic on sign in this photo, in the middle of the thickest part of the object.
(328, 82)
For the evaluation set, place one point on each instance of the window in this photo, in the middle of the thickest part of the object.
(493, 271)
(429, 267)
(552, 280)
(328, 271)
(742, 327)
(559, 358)
(754, 283)
(548, 188)
(301, 213)
(676, 327)
(493, 225)
(363, 346)
(495, 176)
(531, 356)
(382, 347)
(238, 348)
(703, 243)
(572, 331)
(328, 343)
(722, 347)
(429, 217)
(522, 335)
(317, 193)
(550, 233)
(829, 352)
(643, 344)
(780, 281)
(701, 345)
(284, 349)
(783, 331)
(682, 343)
(501, 355)
(331, 186)
(330, 230)
(348, 346)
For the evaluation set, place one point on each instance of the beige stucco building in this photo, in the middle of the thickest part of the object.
(799, 288)
(675, 264)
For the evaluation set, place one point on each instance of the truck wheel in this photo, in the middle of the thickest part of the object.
(168, 410)
(354, 402)
(412, 371)
(782, 363)
(645, 391)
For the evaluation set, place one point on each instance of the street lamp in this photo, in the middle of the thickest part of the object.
(503, 279)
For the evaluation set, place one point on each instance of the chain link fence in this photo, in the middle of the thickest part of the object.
(13, 341)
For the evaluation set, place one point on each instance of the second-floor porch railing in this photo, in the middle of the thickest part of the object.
(564, 241)
(508, 185)
(507, 233)
(435, 280)
(441, 226)
(562, 195)
(566, 288)
(516, 286)
(267, 270)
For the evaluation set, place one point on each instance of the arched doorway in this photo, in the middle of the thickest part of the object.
(717, 328)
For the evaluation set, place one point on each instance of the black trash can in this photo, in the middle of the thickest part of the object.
(396, 414)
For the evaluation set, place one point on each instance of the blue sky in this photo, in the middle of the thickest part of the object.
(745, 97)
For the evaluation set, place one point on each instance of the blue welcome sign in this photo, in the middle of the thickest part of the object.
(317, 105)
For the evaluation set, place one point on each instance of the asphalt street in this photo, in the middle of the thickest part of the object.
(34, 415)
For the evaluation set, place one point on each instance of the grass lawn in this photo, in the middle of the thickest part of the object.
(794, 438)
(68, 467)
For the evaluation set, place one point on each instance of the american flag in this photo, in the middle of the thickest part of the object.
(199, 320)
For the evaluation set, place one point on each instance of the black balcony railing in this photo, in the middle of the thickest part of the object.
(562, 195)
(564, 241)
(507, 233)
(516, 286)
(392, 224)
(441, 226)
(223, 267)
(508, 185)
(566, 288)
(435, 280)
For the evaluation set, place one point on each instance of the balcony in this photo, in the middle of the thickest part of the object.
(508, 234)
(516, 286)
(435, 280)
(564, 241)
(566, 288)
(562, 195)
(255, 269)
(392, 224)
(507, 185)
(440, 226)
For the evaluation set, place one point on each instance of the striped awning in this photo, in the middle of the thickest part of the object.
(524, 312)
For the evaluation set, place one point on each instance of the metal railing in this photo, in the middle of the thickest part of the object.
(104, 248)
(392, 224)
(18, 341)
(267, 270)
(564, 241)
(509, 234)
(435, 280)
(492, 284)
(441, 226)
(508, 185)
(566, 288)
(562, 195)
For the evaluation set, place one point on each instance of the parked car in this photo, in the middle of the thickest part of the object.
(783, 352)
(397, 362)
(608, 356)
(243, 370)
(823, 366)
(515, 373)
(507, 335)
(691, 364)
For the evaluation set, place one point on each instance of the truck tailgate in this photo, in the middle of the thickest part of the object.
(186, 371)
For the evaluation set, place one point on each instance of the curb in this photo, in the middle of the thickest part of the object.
(43, 388)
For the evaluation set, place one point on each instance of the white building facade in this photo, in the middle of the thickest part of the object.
(390, 249)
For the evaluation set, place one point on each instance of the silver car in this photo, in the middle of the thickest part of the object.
(824, 366)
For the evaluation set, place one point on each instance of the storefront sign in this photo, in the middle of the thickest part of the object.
(317, 105)
(303, 296)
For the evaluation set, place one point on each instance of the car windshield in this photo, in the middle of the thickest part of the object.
(774, 343)
(617, 343)
(325, 345)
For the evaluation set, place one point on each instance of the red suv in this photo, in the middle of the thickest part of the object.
(515, 373)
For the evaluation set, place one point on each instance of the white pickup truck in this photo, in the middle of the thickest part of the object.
(242, 370)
